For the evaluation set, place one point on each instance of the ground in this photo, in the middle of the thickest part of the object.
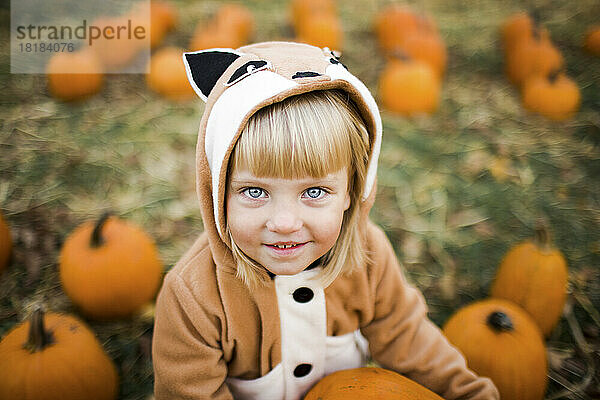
(456, 189)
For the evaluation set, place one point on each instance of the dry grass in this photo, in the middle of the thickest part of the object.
(455, 190)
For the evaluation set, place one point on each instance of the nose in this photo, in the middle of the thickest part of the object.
(284, 220)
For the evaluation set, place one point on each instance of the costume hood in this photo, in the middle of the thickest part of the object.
(237, 83)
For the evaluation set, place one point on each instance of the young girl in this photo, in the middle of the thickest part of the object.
(290, 281)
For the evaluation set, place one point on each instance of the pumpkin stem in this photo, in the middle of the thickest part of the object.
(39, 338)
(401, 55)
(542, 238)
(500, 322)
(536, 19)
(553, 75)
(97, 240)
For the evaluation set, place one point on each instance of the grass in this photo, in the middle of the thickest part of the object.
(455, 190)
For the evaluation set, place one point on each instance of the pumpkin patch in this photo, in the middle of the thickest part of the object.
(457, 187)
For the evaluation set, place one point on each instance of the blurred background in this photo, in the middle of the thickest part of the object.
(473, 155)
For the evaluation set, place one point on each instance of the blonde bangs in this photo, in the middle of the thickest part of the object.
(286, 140)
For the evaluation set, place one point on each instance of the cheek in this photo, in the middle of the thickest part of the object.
(327, 226)
(241, 225)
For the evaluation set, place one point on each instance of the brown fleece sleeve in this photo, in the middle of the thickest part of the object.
(402, 338)
(188, 361)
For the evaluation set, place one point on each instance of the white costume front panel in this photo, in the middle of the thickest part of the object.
(307, 353)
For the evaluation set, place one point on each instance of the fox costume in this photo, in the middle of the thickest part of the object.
(217, 338)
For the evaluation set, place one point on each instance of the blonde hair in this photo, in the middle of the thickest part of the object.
(311, 134)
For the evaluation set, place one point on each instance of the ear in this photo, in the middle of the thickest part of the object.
(205, 67)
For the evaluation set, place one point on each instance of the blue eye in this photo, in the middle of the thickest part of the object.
(314, 193)
(254, 193)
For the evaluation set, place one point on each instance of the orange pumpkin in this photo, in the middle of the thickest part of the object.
(555, 96)
(368, 384)
(592, 41)
(426, 46)
(516, 28)
(211, 36)
(534, 275)
(237, 20)
(536, 55)
(74, 76)
(500, 340)
(163, 19)
(117, 49)
(409, 87)
(167, 75)
(157, 18)
(5, 244)
(110, 268)
(322, 30)
(395, 22)
(305, 10)
(55, 356)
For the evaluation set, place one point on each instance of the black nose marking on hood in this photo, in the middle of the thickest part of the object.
(305, 74)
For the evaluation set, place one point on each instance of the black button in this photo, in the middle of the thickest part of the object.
(303, 295)
(302, 370)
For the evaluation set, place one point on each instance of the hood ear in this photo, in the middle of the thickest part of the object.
(205, 67)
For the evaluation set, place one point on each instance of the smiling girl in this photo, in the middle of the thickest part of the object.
(290, 280)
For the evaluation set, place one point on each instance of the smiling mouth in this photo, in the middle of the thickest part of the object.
(285, 246)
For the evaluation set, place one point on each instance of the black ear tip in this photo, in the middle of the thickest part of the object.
(205, 67)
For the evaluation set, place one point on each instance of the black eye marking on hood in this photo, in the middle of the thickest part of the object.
(305, 74)
(247, 69)
(335, 61)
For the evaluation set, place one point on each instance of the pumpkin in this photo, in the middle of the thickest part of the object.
(534, 275)
(5, 244)
(592, 41)
(395, 22)
(167, 75)
(237, 20)
(55, 356)
(516, 28)
(304, 10)
(535, 55)
(499, 340)
(428, 47)
(74, 76)
(211, 36)
(368, 383)
(118, 49)
(158, 19)
(163, 19)
(555, 96)
(409, 87)
(322, 30)
(110, 268)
